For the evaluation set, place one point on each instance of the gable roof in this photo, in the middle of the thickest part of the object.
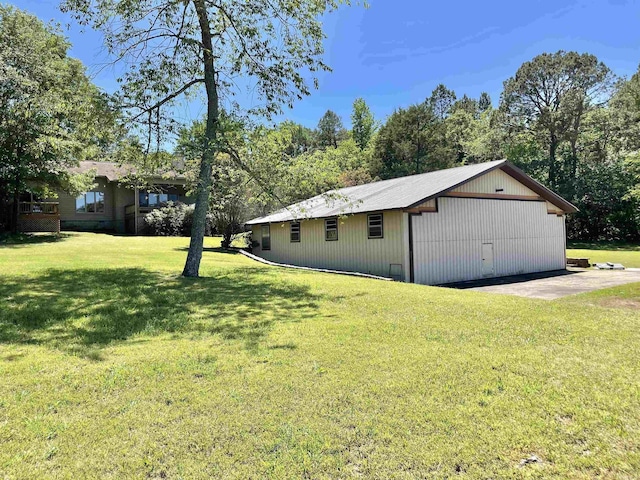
(403, 192)
(114, 171)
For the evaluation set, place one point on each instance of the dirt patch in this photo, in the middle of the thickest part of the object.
(615, 302)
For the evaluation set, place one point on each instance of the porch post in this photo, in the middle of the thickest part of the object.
(136, 206)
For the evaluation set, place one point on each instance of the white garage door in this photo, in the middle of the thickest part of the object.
(469, 239)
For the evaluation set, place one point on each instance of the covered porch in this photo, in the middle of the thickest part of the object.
(146, 201)
(38, 217)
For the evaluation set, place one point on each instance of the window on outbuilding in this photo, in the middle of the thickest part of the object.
(331, 229)
(295, 232)
(266, 237)
(375, 225)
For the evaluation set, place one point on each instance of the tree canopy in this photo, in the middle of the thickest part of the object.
(363, 124)
(51, 114)
(551, 94)
(330, 130)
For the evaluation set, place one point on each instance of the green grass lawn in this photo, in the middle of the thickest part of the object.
(626, 254)
(111, 366)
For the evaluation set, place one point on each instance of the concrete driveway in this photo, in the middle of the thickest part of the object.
(550, 285)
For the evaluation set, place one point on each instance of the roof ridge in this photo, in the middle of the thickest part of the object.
(399, 192)
(415, 175)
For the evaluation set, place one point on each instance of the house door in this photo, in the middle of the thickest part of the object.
(487, 260)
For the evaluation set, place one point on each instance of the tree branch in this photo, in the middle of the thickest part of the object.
(235, 156)
(168, 98)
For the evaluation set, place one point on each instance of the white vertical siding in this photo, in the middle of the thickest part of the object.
(448, 244)
(353, 251)
(495, 180)
(406, 252)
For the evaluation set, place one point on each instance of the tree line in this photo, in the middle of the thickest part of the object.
(564, 118)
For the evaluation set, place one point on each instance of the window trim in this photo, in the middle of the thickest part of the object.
(84, 195)
(291, 232)
(332, 219)
(369, 215)
(268, 225)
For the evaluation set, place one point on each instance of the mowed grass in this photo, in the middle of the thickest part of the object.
(626, 254)
(112, 366)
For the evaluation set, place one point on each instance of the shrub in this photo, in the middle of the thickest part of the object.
(174, 220)
(167, 221)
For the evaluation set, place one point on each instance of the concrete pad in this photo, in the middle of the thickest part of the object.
(551, 285)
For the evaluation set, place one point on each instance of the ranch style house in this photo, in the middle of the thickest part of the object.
(112, 205)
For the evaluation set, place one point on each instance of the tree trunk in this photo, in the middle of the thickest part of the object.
(226, 237)
(15, 209)
(192, 265)
(573, 168)
(553, 174)
(575, 134)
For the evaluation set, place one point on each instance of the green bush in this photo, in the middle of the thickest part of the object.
(174, 220)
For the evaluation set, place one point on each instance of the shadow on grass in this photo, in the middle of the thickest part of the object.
(622, 247)
(82, 311)
(19, 239)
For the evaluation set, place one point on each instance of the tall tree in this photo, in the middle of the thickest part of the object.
(625, 107)
(466, 104)
(301, 138)
(484, 102)
(411, 142)
(330, 130)
(175, 47)
(551, 94)
(441, 101)
(51, 115)
(362, 123)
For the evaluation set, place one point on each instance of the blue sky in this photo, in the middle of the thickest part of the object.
(396, 51)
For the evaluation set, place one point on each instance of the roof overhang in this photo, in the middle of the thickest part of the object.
(537, 187)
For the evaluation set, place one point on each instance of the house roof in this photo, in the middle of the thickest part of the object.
(111, 171)
(114, 171)
(403, 192)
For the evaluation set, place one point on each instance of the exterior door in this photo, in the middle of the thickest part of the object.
(487, 260)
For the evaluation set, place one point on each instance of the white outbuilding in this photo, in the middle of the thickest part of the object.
(464, 223)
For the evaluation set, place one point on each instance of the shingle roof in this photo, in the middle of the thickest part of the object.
(113, 171)
(400, 193)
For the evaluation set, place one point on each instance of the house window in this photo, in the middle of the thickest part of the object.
(331, 229)
(90, 202)
(374, 224)
(266, 237)
(295, 232)
(152, 199)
